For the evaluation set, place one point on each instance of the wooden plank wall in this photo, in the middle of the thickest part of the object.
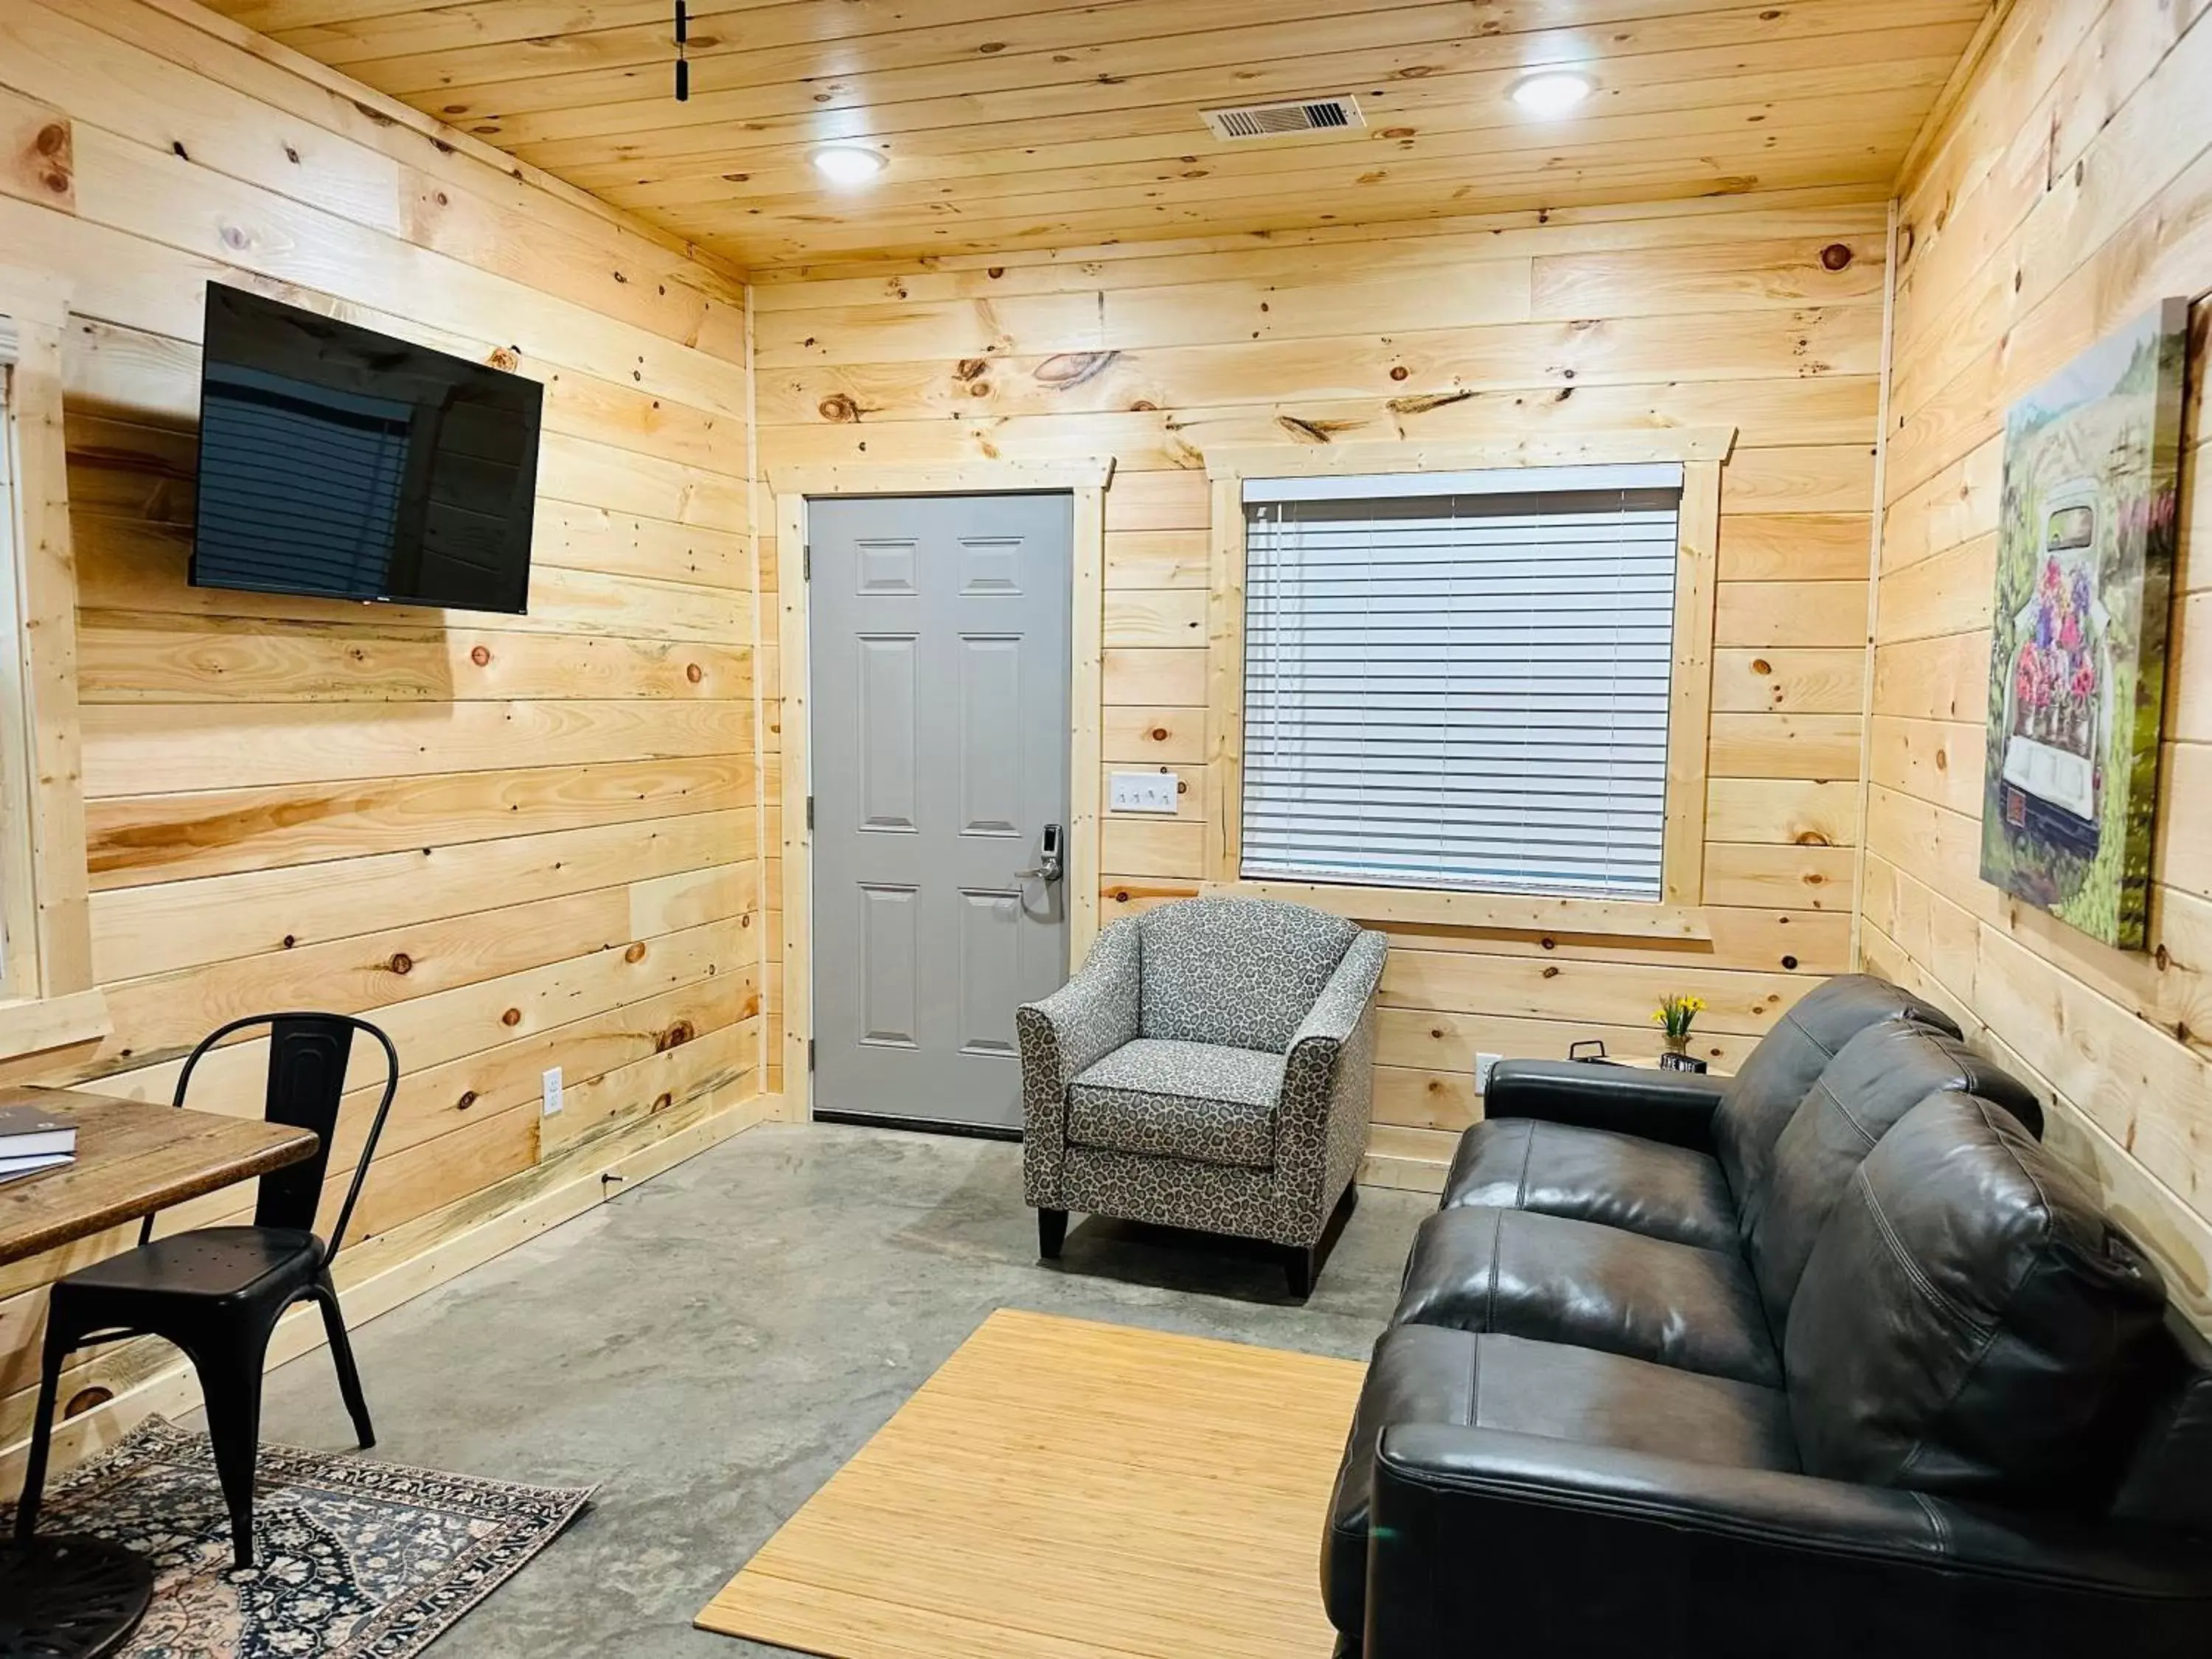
(2068, 188)
(1762, 312)
(513, 842)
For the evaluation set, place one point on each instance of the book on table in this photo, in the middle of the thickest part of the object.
(14, 1169)
(31, 1140)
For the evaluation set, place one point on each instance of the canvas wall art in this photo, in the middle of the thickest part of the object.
(2078, 633)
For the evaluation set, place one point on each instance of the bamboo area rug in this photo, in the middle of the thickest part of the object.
(1066, 1490)
(354, 1559)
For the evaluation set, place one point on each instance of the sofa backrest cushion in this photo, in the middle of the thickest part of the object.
(1970, 1323)
(1772, 1081)
(1875, 1078)
(1242, 973)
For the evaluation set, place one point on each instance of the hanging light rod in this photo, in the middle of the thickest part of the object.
(682, 62)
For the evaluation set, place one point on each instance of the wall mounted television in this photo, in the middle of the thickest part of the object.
(338, 462)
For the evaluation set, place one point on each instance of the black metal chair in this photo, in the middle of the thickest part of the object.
(217, 1292)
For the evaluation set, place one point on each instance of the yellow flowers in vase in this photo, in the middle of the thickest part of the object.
(1676, 1014)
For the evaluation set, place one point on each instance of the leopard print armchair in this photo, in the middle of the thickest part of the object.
(1210, 1066)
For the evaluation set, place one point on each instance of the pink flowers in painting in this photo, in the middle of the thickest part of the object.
(2055, 678)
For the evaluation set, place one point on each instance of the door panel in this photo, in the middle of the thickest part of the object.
(990, 735)
(890, 954)
(940, 644)
(890, 714)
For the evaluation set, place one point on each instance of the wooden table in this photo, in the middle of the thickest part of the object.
(132, 1159)
(83, 1594)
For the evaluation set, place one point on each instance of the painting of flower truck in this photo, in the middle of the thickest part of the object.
(2077, 657)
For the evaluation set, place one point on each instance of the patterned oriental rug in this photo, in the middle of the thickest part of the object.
(356, 1559)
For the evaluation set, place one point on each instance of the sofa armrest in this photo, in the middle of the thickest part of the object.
(1327, 1094)
(1065, 1035)
(1676, 1107)
(1589, 1549)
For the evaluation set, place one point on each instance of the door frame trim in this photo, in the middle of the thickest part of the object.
(1085, 480)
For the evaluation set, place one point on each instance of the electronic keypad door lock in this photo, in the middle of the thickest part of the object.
(1051, 857)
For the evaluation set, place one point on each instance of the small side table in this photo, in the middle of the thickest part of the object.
(1650, 1063)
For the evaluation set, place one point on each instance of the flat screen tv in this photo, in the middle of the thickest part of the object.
(340, 462)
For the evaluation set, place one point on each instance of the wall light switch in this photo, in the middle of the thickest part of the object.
(1142, 792)
(552, 1091)
(1482, 1065)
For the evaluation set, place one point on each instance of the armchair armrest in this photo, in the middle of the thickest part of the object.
(1584, 1549)
(1336, 1012)
(1064, 1035)
(1095, 1012)
(1676, 1107)
(1328, 1092)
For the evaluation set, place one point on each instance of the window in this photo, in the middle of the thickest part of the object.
(1460, 681)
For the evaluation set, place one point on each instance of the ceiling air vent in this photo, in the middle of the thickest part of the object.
(1339, 113)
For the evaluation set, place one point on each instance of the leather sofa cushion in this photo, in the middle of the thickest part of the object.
(1427, 1373)
(1773, 1081)
(1557, 1279)
(1187, 1100)
(1878, 1077)
(1593, 1175)
(1240, 972)
(1969, 1324)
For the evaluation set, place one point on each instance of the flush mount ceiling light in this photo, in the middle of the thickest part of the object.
(847, 164)
(1552, 92)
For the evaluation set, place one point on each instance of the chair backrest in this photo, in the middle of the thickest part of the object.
(1772, 1081)
(308, 1056)
(1239, 972)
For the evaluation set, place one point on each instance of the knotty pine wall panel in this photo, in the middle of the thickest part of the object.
(513, 842)
(2067, 190)
(1764, 313)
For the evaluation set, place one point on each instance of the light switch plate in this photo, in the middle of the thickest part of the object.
(1142, 792)
(1482, 1065)
(552, 1091)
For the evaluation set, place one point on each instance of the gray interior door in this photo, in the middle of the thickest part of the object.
(939, 633)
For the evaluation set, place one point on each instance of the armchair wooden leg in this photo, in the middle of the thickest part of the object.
(1052, 1233)
(1302, 1264)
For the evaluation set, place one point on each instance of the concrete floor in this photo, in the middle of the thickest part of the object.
(710, 1346)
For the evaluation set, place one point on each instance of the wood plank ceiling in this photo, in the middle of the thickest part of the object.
(1010, 125)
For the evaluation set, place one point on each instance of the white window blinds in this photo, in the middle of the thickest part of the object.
(1461, 680)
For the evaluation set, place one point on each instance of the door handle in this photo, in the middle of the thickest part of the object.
(1049, 865)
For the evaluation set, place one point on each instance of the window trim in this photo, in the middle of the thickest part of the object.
(1702, 451)
(50, 999)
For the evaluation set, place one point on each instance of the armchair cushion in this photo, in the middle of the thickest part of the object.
(1242, 973)
(1194, 1100)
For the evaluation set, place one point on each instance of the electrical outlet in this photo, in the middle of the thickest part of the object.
(1143, 791)
(552, 1090)
(1482, 1065)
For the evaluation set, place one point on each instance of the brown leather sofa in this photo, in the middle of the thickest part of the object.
(1832, 1359)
